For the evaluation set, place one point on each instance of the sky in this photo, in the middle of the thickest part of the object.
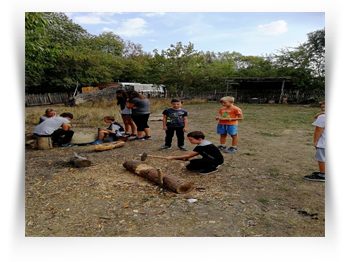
(249, 33)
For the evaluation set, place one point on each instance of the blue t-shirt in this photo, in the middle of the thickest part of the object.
(175, 118)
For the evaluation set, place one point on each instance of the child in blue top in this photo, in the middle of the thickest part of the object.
(174, 120)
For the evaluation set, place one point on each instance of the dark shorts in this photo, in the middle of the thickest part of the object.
(141, 121)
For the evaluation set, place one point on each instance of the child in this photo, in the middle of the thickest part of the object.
(126, 114)
(212, 157)
(320, 145)
(114, 131)
(58, 128)
(228, 123)
(174, 120)
(48, 114)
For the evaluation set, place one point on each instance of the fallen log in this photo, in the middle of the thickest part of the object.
(170, 182)
(107, 146)
(79, 161)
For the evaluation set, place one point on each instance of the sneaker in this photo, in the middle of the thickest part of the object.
(132, 137)
(139, 139)
(183, 148)
(164, 147)
(147, 137)
(126, 135)
(315, 177)
(218, 166)
(221, 147)
(207, 172)
(231, 149)
(98, 141)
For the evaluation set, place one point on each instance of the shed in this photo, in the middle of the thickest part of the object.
(262, 89)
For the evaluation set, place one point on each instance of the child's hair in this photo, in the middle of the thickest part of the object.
(132, 94)
(196, 135)
(109, 118)
(227, 99)
(49, 110)
(121, 100)
(322, 102)
(70, 115)
(175, 100)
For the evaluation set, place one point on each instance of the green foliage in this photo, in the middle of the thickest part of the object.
(60, 54)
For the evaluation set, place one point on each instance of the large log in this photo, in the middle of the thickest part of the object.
(170, 182)
(108, 146)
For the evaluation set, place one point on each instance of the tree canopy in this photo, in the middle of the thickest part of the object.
(61, 54)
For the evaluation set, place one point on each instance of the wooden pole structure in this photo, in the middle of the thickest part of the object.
(281, 92)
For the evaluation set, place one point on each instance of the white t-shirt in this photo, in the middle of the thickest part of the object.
(320, 122)
(50, 125)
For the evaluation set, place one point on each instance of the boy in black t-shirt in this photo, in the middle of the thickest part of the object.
(174, 121)
(212, 157)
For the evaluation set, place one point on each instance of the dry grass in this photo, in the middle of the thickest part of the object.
(91, 114)
(258, 191)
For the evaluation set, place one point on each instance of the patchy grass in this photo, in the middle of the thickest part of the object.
(106, 200)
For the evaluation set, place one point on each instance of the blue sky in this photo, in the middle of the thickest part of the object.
(257, 33)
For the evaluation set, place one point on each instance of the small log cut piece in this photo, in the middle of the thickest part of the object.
(42, 143)
(108, 146)
(170, 182)
(79, 161)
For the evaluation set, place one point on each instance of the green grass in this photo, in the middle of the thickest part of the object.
(263, 200)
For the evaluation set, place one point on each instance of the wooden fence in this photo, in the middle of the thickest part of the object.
(46, 99)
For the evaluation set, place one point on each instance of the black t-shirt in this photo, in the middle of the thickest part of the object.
(207, 150)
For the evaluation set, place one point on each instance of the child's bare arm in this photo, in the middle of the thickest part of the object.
(189, 155)
(185, 122)
(317, 135)
(164, 122)
(239, 117)
(321, 113)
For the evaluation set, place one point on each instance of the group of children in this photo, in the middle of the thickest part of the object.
(175, 122)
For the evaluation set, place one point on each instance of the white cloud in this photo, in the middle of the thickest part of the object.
(152, 40)
(274, 28)
(131, 27)
(155, 14)
(95, 18)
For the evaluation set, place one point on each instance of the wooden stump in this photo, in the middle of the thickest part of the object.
(42, 143)
(170, 182)
(79, 161)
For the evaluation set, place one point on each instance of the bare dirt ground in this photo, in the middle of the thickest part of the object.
(258, 191)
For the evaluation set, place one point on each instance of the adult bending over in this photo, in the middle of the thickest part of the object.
(140, 111)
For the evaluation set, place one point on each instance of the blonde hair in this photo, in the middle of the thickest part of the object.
(227, 99)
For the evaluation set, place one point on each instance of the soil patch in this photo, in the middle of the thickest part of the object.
(258, 191)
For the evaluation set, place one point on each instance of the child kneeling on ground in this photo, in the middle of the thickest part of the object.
(114, 131)
(212, 157)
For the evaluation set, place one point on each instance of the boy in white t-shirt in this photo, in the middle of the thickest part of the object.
(58, 128)
(320, 145)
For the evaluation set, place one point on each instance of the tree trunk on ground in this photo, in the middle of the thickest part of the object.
(170, 182)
